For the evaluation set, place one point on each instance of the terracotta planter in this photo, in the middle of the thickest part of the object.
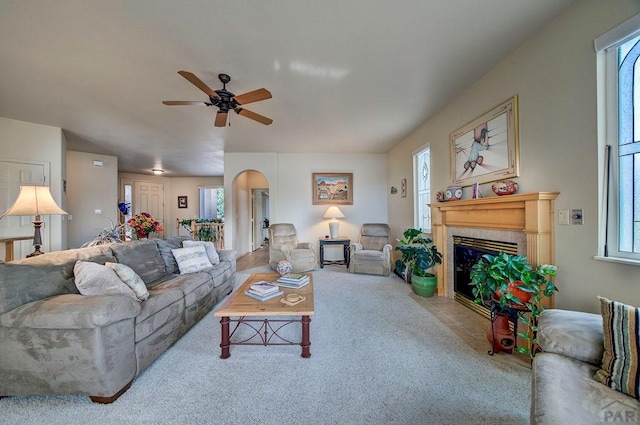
(523, 296)
(500, 336)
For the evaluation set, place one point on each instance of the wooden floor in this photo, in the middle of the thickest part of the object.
(465, 323)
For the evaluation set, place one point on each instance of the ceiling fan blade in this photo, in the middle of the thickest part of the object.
(256, 117)
(183, 102)
(221, 119)
(198, 83)
(253, 96)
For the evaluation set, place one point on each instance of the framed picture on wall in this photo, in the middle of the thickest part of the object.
(332, 188)
(182, 202)
(486, 149)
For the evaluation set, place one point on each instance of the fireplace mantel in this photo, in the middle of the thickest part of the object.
(530, 213)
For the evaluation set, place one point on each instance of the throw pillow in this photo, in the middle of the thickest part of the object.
(620, 366)
(214, 258)
(96, 279)
(131, 278)
(192, 259)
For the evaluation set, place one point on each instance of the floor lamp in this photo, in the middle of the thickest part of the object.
(333, 213)
(34, 200)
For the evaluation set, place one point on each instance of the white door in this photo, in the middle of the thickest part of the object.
(149, 197)
(12, 175)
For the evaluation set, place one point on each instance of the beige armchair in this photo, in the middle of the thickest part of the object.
(284, 245)
(372, 255)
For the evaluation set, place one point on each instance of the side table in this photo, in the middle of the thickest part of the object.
(345, 242)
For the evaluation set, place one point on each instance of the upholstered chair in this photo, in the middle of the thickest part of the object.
(372, 255)
(284, 245)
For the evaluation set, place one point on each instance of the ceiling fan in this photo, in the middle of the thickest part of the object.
(225, 100)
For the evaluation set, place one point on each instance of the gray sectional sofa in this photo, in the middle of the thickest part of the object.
(564, 390)
(55, 341)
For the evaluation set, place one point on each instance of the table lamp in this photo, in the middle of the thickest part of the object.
(34, 200)
(333, 213)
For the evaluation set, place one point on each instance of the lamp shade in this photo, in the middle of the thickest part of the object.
(333, 212)
(34, 200)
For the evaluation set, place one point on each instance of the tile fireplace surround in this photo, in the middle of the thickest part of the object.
(526, 219)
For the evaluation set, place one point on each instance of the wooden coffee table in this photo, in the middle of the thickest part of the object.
(266, 318)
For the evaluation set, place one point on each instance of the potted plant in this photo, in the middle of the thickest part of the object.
(107, 235)
(511, 281)
(418, 255)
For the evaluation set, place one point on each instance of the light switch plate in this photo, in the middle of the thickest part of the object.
(563, 217)
(577, 216)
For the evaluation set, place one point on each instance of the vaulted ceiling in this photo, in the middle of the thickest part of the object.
(347, 76)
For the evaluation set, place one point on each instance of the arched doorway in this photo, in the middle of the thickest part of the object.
(250, 208)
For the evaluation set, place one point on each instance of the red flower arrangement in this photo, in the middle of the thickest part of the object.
(144, 224)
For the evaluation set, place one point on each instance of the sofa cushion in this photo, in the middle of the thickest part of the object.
(573, 334)
(193, 286)
(192, 259)
(564, 392)
(208, 246)
(165, 246)
(620, 363)
(143, 257)
(71, 311)
(163, 305)
(96, 279)
(221, 273)
(66, 260)
(18, 284)
(52, 271)
(130, 278)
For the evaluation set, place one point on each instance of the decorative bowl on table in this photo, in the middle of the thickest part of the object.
(284, 267)
(504, 187)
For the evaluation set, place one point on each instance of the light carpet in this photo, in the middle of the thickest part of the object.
(377, 357)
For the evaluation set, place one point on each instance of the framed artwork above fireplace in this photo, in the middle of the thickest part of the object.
(486, 149)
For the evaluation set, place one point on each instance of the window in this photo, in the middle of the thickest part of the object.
(211, 203)
(422, 178)
(619, 141)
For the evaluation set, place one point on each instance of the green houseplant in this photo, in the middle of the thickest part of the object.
(418, 255)
(510, 280)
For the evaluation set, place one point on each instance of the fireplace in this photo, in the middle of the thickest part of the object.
(466, 252)
(525, 220)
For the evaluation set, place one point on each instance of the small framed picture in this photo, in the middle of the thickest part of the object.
(182, 202)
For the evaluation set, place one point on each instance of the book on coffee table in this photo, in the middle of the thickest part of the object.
(291, 284)
(259, 297)
(293, 280)
(293, 277)
(264, 288)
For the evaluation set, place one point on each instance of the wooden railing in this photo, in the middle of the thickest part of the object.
(205, 231)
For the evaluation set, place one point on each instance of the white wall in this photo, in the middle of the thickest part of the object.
(89, 188)
(554, 76)
(289, 181)
(189, 187)
(174, 187)
(25, 141)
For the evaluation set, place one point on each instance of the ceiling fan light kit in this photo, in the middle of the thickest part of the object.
(224, 100)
